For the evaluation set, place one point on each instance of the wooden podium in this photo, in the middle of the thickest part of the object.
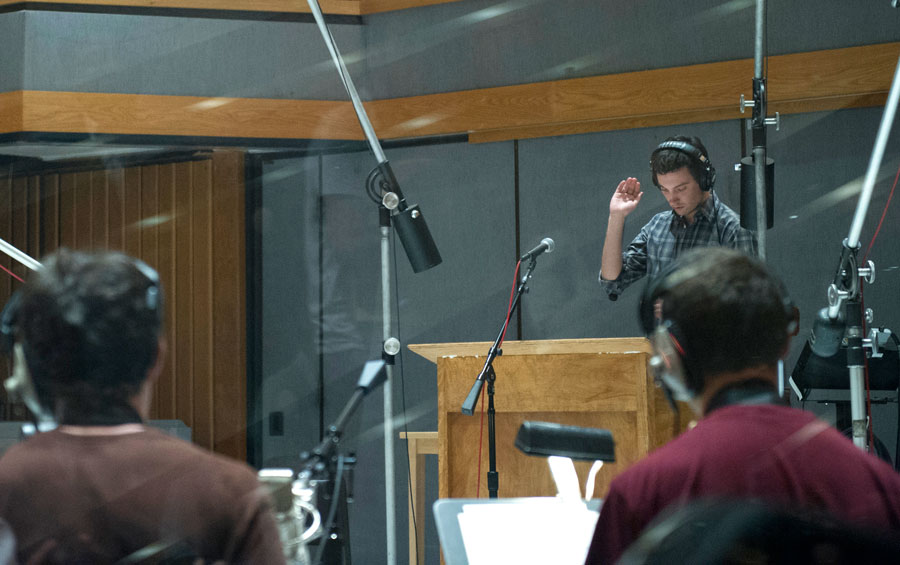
(601, 383)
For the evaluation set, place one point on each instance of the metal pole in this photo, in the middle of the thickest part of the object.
(759, 132)
(348, 82)
(884, 131)
(375, 146)
(389, 506)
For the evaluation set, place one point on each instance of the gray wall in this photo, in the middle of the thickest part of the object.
(12, 30)
(177, 55)
(484, 43)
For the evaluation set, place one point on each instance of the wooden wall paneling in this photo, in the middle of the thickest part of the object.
(146, 227)
(228, 302)
(35, 236)
(99, 227)
(376, 6)
(49, 220)
(83, 214)
(140, 114)
(131, 235)
(115, 208)
(6, 182)
(185, 219)
(6, 281)
(336, 7)
(180, 296)
(66, 210)
(165, 265)
(20, 221)
(201, 270)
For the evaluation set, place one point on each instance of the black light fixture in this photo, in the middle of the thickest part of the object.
(548, 439)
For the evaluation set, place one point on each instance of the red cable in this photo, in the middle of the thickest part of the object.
(862, 305)
(512, 293)
(12, 274)
(883, 214)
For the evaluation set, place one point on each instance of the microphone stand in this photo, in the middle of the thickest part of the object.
(758, 125)
(844, 291)
(487, 374)
(420, 249)
(319, 468)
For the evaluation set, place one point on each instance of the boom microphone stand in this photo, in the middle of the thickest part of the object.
(844, 291)
(758, 125)
(420, 249)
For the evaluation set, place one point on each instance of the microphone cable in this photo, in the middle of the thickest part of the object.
(512, 293)
(862, 305)
(332, 510)
(412, 511)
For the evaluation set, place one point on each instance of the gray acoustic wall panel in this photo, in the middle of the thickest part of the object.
(289, 221)
(502, 42)
(12, 34)
(184, 56)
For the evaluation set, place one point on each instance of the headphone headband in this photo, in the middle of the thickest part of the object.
(707, 172)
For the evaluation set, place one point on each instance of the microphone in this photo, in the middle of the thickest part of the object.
(545, 245)
(826, 335)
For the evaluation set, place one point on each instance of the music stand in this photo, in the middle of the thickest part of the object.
(447, 512)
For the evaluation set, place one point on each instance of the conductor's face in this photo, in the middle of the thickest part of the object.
(682, 192)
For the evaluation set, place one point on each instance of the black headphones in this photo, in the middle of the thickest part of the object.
(707, 172)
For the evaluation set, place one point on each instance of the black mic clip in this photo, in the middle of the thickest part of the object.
(546, 245)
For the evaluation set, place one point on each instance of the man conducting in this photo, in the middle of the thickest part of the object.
(103, 487)
(681, 169)
(719, 322)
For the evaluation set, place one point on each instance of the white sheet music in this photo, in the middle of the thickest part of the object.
(547, 530)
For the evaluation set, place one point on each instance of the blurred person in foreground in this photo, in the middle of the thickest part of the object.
(719, 322)
(103, 487)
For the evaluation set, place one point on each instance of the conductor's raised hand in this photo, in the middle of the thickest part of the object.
(626, 197)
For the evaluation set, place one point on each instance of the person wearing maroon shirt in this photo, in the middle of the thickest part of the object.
(719, 322)
(103, 487)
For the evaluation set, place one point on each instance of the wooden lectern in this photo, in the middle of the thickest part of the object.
(600, 383)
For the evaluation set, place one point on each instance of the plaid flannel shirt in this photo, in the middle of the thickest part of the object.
(667, 235)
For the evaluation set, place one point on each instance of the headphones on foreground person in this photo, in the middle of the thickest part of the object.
(707, 172)
(20, 385)
(674, 366)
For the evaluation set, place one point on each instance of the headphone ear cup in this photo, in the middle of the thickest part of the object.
(667, 363)
(709, 177)
(21, 387)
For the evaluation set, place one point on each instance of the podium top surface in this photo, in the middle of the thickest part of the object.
(435, 351)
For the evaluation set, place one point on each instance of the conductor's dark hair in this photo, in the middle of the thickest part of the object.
(664, 161)
(731, 311)
(89, 324)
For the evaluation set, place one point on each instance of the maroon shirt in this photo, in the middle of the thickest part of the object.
(97, 499)
(774, 453)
